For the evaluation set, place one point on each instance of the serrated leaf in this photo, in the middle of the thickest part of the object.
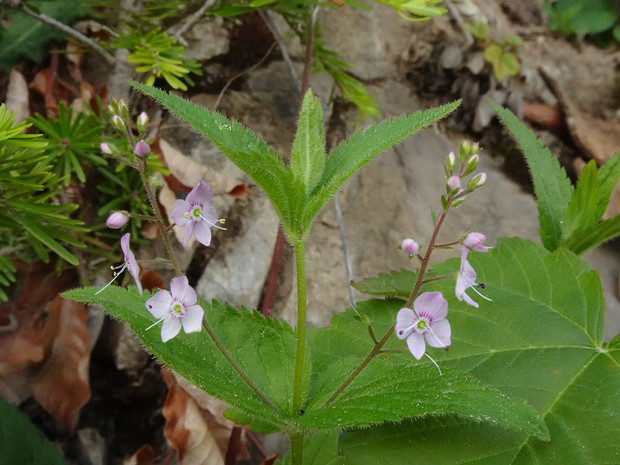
(581, 211)
(590, 238)
(362, 147)
(608, 175)
(552, 188)
(263, 347)
(308, 153)
(393, 387)
(540, 339)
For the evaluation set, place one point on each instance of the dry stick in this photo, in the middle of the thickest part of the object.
(191, 20)
(69, 31)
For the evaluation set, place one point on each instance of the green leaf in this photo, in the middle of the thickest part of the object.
(308, 153)
(21, 442)
(581, 213)
(362, 147)
(39, 232)
(552, 188)
(608, 175)
(263, 347)
(395, 284)
(590, 238)
(540, 339)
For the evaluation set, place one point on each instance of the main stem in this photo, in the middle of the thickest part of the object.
(379, 345)
(300, 263)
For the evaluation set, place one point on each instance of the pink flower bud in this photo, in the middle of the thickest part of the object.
(474, 241)
(451, 162)
(117, 220)
(410, 247)
(105, 148)
(454, 183)
(142, 149)
(472, 163)
(477, 181)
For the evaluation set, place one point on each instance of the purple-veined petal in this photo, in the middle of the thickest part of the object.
(200, 194)
(432, 304)
(159, 304)
(180, 208)
(182, 292)
(202, 232)
(464, 280)
(416, 345)
(440, 334)
(405, 320)
(170, 328)
(192, 321)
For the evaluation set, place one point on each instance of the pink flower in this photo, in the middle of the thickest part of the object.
(427, 324)
(196, 213)
(473, 241)
(117, 220)
(176, 309)
(466, 277)
(130, 264)
(105, 148)
(410, 247)
(142, 149)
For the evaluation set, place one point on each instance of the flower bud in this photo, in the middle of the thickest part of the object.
(477, 181)
(105, 148)
(472, 163)
(453, 185)
(117, 220)
(474, 240)
(117, 121)
(410, 247)
(464, 150)
(142, 149)
(142, 121)
(450, 163)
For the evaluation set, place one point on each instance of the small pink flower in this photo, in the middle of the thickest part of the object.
(176, 308)
(410, 247)
(117, 220)
(130, 264)
(474, 240)
(477, 181)
(196, 213)
(427, 324)
(142, 149)
(453, 184)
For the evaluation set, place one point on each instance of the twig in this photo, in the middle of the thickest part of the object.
(191, 20)
(459, 19)
(238, 75)
(273, 27)
(69, 31)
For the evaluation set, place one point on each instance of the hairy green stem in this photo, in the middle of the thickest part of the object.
(160, 219)
(379, 345)
(300, 262)
(297, 447)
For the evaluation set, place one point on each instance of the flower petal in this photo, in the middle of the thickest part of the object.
(405, 320)
(170, 328)
(440, 335)
(416, 344)
(182, 292)
(200, 194)
(209, 214)
(130, 260)
(159, 304)
(432, 304)
(192, 321)
(180, 208)
(202, 232)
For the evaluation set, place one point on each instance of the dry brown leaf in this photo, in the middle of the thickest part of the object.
(545, 115)
(61, 387)
(187, 427)
(47, 351)
(188, 172)
(143, 456)
(17, 96)
(74, 55)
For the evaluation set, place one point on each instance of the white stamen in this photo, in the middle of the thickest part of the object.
(159, 321)
(116, 275)
(434, 363)
(478, 292)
